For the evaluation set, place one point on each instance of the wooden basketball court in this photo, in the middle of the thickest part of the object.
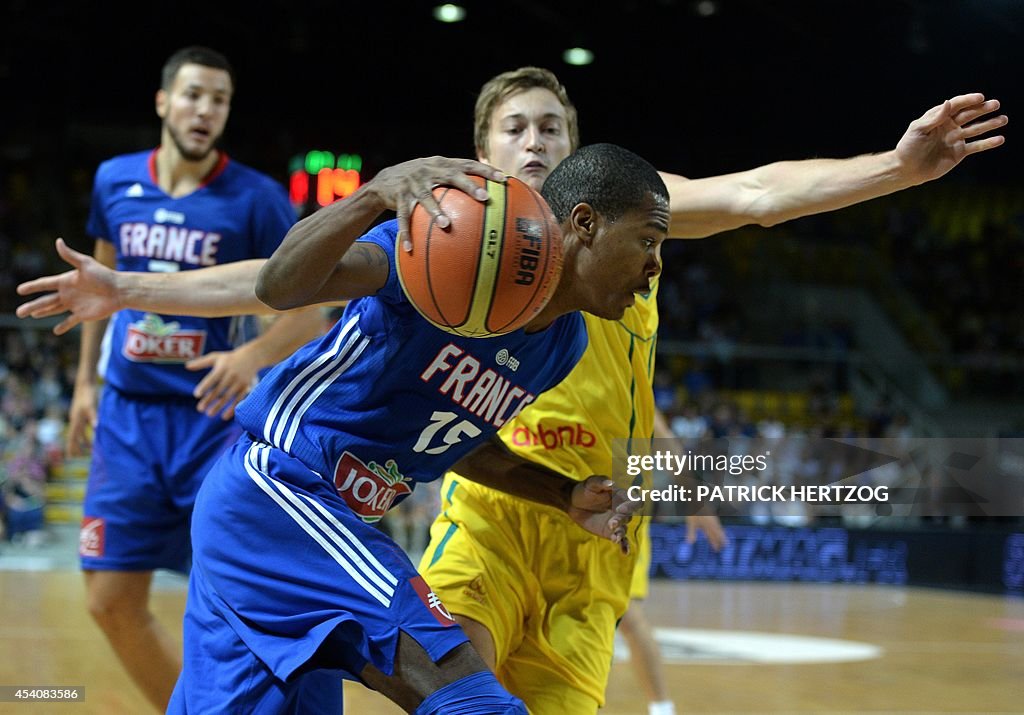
(915, 650)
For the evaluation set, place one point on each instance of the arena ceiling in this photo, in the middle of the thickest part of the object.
(702, 86)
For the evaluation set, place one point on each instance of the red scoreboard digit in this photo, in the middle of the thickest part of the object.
(320, 178)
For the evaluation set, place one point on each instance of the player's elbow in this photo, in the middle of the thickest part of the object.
(760, 206)
(767, 216)
(763, 197)
(274, 290)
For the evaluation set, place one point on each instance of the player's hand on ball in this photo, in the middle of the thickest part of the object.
(402, 186)
(603, 509)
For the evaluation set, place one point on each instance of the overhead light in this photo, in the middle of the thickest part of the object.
(449, 13)
(706, 8)
(578, 56)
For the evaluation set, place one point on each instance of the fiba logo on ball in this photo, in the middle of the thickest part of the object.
(492, 270)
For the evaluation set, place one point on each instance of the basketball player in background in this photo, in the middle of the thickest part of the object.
(526, 125)
(179, 207)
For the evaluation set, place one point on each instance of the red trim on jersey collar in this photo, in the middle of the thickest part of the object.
(222, 164)
(217, 170)
(152, 167)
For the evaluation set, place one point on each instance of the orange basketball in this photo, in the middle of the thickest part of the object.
(495, 266)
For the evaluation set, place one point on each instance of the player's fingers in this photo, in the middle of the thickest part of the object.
(425, 198)
(212, 402)
(215, 404)
(403, 231)
(77, 437)
(719, 539)
(202, 362)
(968, 115)
(209, 385)
(39, 307)
(71, 439)
(593, 494)
(216, 386)
(69, 254)
(225, 391)
(44, 307)
(624, 505)
(984, 144)
(599, 485)
(40, 285)
(487, 171)
(205, 398)
(465, 183)
(230, 404)
(962, 101)
(978, 128)
(67, 324)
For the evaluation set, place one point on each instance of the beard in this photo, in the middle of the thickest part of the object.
(188, 154)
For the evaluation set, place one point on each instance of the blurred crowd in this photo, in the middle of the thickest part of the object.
(36, 374)
(945, 264)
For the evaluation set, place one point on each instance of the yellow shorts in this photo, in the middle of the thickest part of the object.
(639, 586)
(549, 592)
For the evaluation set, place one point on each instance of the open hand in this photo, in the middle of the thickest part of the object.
(940, 139)
(88, 292)
(231, 377)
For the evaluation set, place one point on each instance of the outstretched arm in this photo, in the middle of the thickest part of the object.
(313, 264)
(932, 145)
(93, 291)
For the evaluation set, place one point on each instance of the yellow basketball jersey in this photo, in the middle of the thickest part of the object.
(605, 405)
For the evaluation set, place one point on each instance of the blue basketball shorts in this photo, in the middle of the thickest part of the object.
(288, 583)
(149, 457)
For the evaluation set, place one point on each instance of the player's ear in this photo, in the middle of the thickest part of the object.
(583, 220)
(162, 101)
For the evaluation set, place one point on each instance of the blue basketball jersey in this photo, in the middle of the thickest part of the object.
(385, 399)
(237, 214)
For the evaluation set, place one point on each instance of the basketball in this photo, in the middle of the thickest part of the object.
(492, 269)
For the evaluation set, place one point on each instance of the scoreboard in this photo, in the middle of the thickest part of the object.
(319, 178)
